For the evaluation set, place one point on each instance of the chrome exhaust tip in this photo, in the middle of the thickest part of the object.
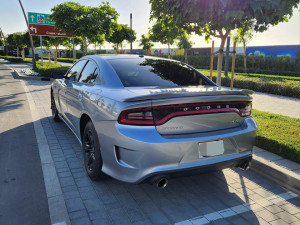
(161, 183)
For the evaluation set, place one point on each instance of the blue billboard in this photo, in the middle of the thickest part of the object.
(277, 50)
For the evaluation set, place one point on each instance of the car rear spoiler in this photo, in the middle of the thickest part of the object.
(187, 94)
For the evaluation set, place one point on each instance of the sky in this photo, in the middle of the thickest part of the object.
(12, 20)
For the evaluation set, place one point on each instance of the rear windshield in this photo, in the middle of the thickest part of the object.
(155, 72)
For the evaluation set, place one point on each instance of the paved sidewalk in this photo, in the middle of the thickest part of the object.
(277, 104)
(227, 197)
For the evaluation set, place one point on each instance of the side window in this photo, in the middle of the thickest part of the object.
(89, 73)
(75, 70)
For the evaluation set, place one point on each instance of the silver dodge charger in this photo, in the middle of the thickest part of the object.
(147, 119)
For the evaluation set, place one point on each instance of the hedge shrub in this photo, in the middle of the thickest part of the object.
(67, 60)
(285, 87)
(281, 65)
(278, 134)
(47, 69)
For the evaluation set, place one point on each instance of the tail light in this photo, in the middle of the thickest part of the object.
(161, 114)
(137, 117)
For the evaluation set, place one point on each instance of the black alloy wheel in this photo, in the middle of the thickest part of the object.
(54, 110)
(91, 152)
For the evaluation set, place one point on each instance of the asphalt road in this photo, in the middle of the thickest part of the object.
(23, 197)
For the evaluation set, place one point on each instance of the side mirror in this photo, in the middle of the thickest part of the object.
(57, 75)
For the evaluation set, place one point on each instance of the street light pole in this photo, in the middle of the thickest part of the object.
(130, 33)
(30, 37)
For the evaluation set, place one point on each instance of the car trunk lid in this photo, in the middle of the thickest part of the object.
(194, 110)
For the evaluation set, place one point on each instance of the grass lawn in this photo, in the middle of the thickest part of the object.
(278, 134)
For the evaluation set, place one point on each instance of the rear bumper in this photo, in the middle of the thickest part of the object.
(135, 154)
(194, 170)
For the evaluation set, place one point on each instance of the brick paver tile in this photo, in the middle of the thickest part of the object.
(78, 214)
(81, 221)
(266, 215)
(199, 221)
(278, 222)
(101, 222)
(297, 215)
(74, 204)
(220, 222)
(290, 208)
(274, 209)
(289, 218)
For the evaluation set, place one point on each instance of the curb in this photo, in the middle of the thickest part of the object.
(280, 175)
(56, 202)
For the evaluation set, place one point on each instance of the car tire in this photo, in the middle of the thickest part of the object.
(54, 110)
(91, 152)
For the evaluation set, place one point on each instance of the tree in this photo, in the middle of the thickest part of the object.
(243, 36)
(1, 42)
(67, 43)
(165, 32)
(84, 22)
(121, 33)
(146, 42)
(10, 40)
(56, 42)
(217, 18)
(98, 40)
(48, 44)
(16, 40)
(26, 42)
(184, 43)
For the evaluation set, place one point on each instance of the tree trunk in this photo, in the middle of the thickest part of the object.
(95, 51)
(49, 55)
(186, 56)
(245, 58)
(18, 52)
(85, 47)
(220, 58)
(55, 55)
(23, 53)
(169, 51)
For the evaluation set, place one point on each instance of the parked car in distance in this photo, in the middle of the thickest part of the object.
(147, 119)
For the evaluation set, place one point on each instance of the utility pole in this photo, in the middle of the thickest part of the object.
(31, 41)
(130, 33)
(42, 55)
(4, 39)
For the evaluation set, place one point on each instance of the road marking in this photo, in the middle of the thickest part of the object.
(56, 203)
(246, 207)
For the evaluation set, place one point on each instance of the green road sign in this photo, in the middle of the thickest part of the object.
(39, 18)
